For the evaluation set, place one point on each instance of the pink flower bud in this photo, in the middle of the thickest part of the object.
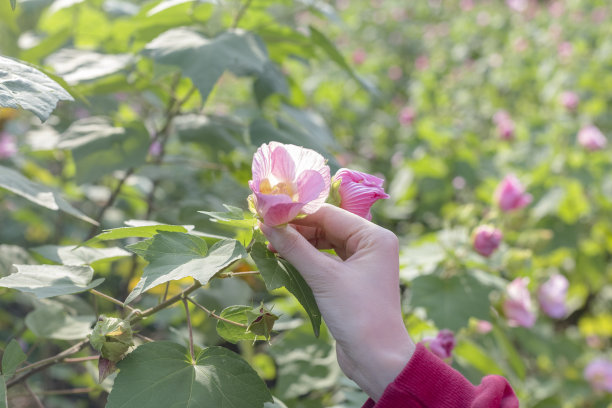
(510, 194)
(486, 239)
(599, 374)
(443, 345)
(591, 138)
(358, 191)
(394, 73)
(155, 148)
(8, 145)
(288, 180)
(569, 100)
(505, 125)
(517, 306)
(406, 116)
(552, 294)
(359, 56)
(483, 327)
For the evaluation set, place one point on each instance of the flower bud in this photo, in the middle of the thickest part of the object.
(591, 138)
(517, 306)
(599, 374)
(510, 194)
(551, 296)
(358, 191)
(112, 337)
(486, 239)
(570, 100)
(443, 345)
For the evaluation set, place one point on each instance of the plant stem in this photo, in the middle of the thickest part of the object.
(40, 365)
(111, 299)
(212, 314)
(110, 202)
(190, 329)
(80, 359)
(240, 13)
(139, 315)
(165, 292)
(230, 274)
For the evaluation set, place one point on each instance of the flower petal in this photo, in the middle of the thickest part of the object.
(276, 209)
(283, 166)
(262, 166)
(310, 184)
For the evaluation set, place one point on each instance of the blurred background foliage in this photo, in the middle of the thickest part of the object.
(172, 97)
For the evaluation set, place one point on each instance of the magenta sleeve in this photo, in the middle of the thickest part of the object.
(428, 382)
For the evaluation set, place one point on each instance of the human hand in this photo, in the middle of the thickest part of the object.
(356, 291)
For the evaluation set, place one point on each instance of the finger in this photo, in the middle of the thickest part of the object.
(292, 246)
(315, 236)
(342, 229)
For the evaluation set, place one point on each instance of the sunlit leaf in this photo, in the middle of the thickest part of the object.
(11, 359)
(139, 230)
(73, 255)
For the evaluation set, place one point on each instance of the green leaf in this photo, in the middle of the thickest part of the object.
(10, 255)
(3, 399)
(231, 332)
(477, 357)
(452, 301)
(37, 193)
(271, 81)
(13, 4)
(100, 148)
(73, 255)
(22, 86)
(277, 272)
(45, 281)
(234, 216)
(11, 359)
(175, 255)
(138, 229)
(205, 60)
(51, 320)
(515, 360)
(76, 66)
(211, 131)
(161, 375)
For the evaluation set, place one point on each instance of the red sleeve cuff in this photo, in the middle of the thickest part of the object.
(428, 382)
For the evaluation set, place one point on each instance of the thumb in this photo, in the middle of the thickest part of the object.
(292, 246)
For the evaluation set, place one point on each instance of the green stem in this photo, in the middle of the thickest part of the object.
(211, 313)
(111, 299)
(191, 351)
(138, 315)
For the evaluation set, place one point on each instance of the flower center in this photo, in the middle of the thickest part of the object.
(284, 187)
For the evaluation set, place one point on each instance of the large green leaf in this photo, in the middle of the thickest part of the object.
(211, 131)
(3, 399)
(232, 332)
(45, 281)
(37, 193)
(99, 148)
(234, 216)
(73, 255)
(76, 66)
(53, 320)
(24, 86)
(11, 359)
(277, 272)
(205, 60)
(10, 255)
(175, 255)
(161, 375)
(138, 229)
(452, 301)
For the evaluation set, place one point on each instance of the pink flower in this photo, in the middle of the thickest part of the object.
(406, 116)
(8, 145)
(599, 374)
(359, 191)
(359, 56)
(486, 239)
(394, 73)
(518, 5)
(510, 194)
(505, 125)
(569, 100)
(483, 327)
(443, 345)
(591, 138)
(421, 63)
(155, 149)
(565, 50)
(517, 306)
(288, 180)
(551, 296)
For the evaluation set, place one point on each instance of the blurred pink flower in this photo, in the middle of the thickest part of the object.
(505, 124)
(459, 183)
(564, 50)
(394, 73)
(517, 306)
(591, 138)
(406, 116)
(556, 9)
(155, 148)
(483, 327)
(8, 145)
(443, 345)
(359, 191)
(359, 56)
(510, 194)
(421, 63)
(552, 294)
(486, 239)
(466, 5)
(569, 100)
(288, 180)
(518, 5)
(520, 44)
(599, 374)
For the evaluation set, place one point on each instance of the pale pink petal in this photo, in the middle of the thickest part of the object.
(276, 209)
(310, 184)
(358, 198)
(599, 374)
(359, 177)
(307, 159)
(283, 166)
(262, 165)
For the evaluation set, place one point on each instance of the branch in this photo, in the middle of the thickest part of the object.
(110, 202)
(212, 314)
(139, 315)
(230, 274)
(241, 12)
(111, 299)
(33, 368)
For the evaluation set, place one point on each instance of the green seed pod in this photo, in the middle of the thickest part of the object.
(112, 337)
(260, 321)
